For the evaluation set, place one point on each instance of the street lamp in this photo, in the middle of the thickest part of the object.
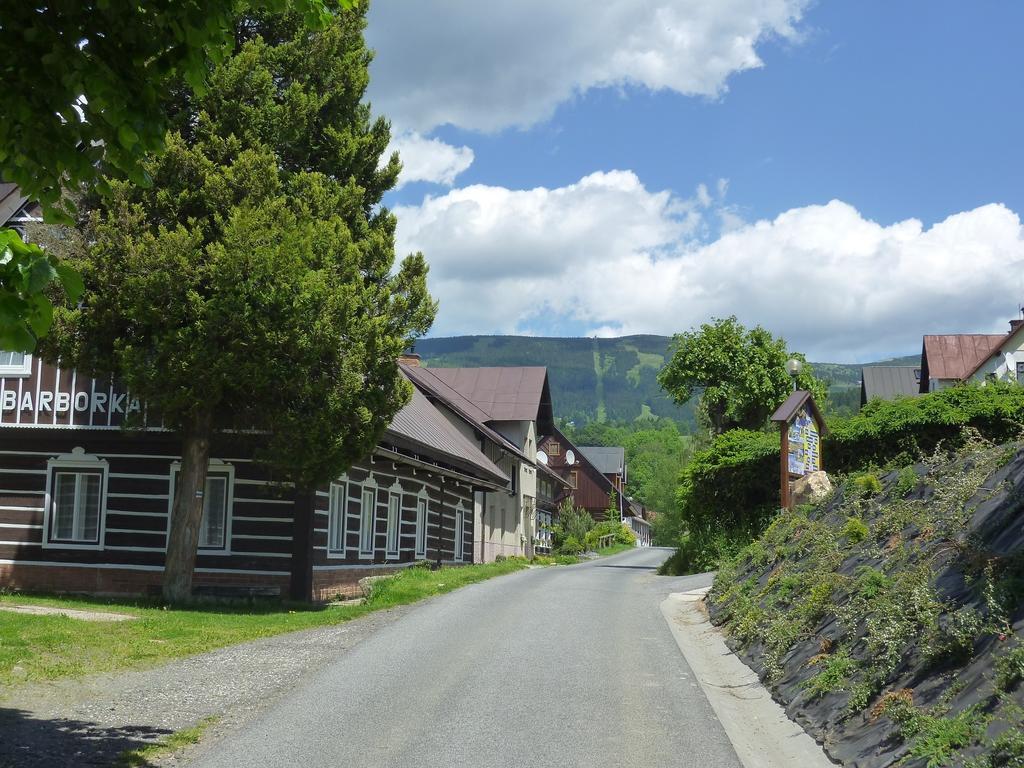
(794, 366)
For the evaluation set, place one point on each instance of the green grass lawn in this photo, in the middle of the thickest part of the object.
(34, 648)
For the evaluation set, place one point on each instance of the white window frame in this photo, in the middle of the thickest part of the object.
(78, 461)
(367, 534)
(215, 467)
(422, 521)
(460, 533)
(336, 517)
(20, 371)
(393, 542)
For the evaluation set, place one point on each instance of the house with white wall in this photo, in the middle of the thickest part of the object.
(504, 409)
(947, 360)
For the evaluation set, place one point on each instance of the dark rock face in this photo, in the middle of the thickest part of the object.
(890, 624)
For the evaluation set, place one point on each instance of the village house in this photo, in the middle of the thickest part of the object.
(597, 480)
(85, 504)
(887, 382)
(947, 360)
(504, 409)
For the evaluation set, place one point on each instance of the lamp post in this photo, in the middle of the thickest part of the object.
(794, 366)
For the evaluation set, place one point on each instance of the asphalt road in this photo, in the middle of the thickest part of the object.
(566, 666)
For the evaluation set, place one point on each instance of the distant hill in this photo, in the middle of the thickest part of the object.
(605, 379)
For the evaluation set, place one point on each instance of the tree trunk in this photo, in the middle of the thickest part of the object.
(301, 582)
(187, 511)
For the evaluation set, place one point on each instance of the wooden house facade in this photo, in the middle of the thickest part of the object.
(85, 503)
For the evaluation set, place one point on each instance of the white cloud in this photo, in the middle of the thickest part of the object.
(426, 159)
(618, 258)
(487, 66)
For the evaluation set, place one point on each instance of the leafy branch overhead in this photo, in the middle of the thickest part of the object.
(94, 76)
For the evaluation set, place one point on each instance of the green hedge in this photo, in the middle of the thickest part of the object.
(729, 491)
(903, 430)
(733, 484)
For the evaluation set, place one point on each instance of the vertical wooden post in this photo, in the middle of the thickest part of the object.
(784, 465)
(300, 586)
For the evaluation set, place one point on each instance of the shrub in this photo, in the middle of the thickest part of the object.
(571, 546)
(905, 482)
(867, 485)
(1010, 669)
(855, 530)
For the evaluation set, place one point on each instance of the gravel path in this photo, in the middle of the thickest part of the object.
(90, 722)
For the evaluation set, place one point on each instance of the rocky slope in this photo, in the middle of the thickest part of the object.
(889, 620)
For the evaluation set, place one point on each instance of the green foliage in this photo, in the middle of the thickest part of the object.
(655, 453)
(26, 308)
(906, 481)
(741, 374)
(571, 546)
(925, 602)
(612, 513)
(733, 484)
(834, 677)
(572, 523)
(253, 279)
(855, 529)
(888, 431)
(622, 534)
(867, 484)
(628, 394)
(1010, 669)
(99, 108)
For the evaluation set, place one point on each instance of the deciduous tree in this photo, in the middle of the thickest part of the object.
(741, 374)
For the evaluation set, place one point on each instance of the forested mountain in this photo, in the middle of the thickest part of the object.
(606, 379)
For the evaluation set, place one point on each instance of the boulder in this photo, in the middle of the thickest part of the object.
(810, 489)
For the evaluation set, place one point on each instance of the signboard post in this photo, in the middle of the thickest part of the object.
(801, 426)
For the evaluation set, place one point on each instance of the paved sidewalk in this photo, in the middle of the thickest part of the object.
(760, 731)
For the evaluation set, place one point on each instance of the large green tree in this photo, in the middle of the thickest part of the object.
(251, 284)
(86, 82)
(741, 374)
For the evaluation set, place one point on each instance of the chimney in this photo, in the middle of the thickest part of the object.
(410, 359)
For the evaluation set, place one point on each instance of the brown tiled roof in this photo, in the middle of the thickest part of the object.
(957, 356)
(421, 427)
(455, 402)
(504, 394)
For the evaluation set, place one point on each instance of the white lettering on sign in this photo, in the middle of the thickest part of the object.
(61, 402)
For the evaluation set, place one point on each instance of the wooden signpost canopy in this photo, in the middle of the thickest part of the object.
(801, 426)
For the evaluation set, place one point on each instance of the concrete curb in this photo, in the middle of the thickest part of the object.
(761, 733)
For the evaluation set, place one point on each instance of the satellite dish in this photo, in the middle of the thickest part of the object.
(570, 458)
(542, 457)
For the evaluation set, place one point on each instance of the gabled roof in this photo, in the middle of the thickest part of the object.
(419, 426)
(608, 460)
(596, 475)
(1015, 327)
(889, 381)
(793, 404)
(434, 387)
(957, 356)
(504, 394)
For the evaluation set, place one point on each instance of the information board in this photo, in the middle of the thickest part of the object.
(804, 444)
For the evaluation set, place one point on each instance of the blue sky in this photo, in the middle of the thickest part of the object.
(630, 167)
